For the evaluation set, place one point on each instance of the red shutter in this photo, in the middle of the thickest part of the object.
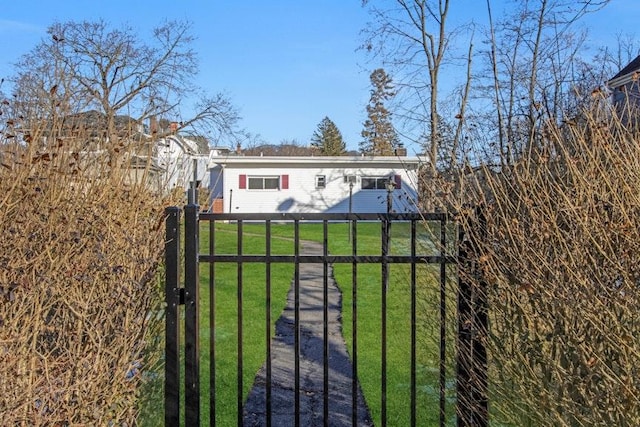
(284, 182)
(243, 182)
(398, 180)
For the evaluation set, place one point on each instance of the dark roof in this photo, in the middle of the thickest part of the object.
(93, 123)
(633, 66)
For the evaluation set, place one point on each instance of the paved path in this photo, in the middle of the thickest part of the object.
(311, 360)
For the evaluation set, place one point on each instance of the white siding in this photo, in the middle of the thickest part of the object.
(302, 194)
(177, 160)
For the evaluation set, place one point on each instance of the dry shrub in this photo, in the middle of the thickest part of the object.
(79, 290)
(560, 256)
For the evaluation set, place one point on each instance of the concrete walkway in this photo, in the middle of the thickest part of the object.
(311, 360)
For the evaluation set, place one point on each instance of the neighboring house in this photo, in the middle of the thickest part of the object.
(249, 184)
(144, 169)
(626, 90)
(183, 157)
(156, 155)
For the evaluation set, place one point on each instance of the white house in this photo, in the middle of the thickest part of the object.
(250, 184)
(181, 158)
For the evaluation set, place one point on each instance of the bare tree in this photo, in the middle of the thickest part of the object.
(612, 59)
(536, 66)
(92, 66)
(413, 37)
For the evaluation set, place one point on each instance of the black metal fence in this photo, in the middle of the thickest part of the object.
(182, 365)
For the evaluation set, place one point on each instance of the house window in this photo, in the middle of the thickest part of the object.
(321, 181)
(380, 182)
(349, 179)
(374, 182)
(264, 182)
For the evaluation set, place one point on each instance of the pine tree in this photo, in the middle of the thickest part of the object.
(327, 139)
(379, 135)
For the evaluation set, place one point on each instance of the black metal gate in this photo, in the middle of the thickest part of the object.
(182, 364)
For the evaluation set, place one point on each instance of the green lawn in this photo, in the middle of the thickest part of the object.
(369, 294)
(254, 310)
(369, 320)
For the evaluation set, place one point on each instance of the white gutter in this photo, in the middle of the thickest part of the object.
(623, 80)
(327, 161)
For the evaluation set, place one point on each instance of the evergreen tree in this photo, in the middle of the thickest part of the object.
(379, 135)
(327, 139)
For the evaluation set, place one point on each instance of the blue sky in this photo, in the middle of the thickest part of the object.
(285, 64)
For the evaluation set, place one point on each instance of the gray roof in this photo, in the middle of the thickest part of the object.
(630, 68)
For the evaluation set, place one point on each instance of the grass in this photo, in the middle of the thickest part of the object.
(254, 310)
(369, 324)
(369, 295)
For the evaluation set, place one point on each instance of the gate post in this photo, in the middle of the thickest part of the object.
(172, 326)
(191, 314)
(472, 382)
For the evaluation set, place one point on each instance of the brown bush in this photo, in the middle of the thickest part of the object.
(560, 256)
(79, 291)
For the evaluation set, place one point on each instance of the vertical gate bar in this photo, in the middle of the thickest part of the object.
(463, 380)
(384, 288)
(413, 323)
(240, 321)
(473, 326)
(443, 321)
(212, 326)
(172, 326)
(325, 327)
(191, 350)
(354, 323)
(296, 328)
(480, 322)
(268, 321)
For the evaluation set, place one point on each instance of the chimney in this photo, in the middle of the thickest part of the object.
(153, 125)
(400, 151)
(238, 149)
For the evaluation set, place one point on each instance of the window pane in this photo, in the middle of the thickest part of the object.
(271, 183)
(368, 183)
(381, 183)
(256, 183)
